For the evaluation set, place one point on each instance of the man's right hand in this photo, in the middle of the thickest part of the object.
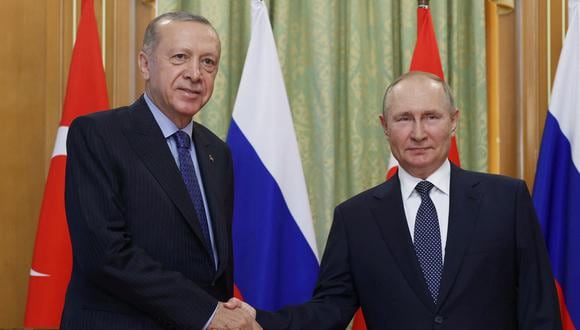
(234, 303)
(233, 318)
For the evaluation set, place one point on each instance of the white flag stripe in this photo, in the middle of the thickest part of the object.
(262, 111)
(566, 90)
(60, 142)
(37, 274)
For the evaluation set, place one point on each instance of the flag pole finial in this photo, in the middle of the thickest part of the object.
(423, 3)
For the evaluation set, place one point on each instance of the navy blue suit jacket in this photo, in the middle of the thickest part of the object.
(496, 272)
(139, 257)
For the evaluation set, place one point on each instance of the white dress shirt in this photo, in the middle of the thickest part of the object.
(439, 195)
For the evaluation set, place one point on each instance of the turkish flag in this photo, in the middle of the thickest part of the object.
(52, 260)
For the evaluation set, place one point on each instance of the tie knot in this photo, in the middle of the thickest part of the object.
(423, 188)
(182, 139)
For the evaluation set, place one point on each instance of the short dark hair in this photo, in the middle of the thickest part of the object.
(150, 38)
(405, 76)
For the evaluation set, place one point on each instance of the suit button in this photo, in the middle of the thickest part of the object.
(438, 319)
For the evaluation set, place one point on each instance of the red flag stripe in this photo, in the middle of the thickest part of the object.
(237, 293)
(566, 320)
(359, 321)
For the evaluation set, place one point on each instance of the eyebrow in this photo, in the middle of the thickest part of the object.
(431, 112)
(405, 113)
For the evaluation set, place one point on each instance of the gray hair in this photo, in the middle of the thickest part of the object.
(150, 39)
(410, 74)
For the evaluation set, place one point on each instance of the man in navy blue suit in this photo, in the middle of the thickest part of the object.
(149, 197)
(434, 247)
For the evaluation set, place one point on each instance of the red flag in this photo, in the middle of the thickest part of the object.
(52, 260)
(425, 58)
(359, 321)
(426, 55)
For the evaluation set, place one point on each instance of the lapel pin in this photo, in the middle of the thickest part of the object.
(210, 158)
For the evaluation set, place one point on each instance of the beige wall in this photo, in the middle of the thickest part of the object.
(22, 171)
(36, 44)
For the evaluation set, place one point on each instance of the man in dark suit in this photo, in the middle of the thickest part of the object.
(149, 197)
(434, 247)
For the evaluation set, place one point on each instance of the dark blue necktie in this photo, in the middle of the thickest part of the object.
(428, 240)
(183, 142)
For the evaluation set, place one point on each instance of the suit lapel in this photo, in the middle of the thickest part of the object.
(389, 214)
(147, 140)
(207, 157)
(463, 213)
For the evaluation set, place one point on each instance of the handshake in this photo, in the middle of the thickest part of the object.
(234, 314)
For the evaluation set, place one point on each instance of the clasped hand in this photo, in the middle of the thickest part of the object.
(234, 314)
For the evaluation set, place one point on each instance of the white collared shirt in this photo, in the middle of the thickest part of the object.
(439, 195)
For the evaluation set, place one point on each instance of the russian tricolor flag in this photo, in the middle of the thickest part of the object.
(275, 255)
(557, 184)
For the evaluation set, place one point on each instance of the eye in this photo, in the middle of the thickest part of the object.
(178, 58)
(208, 61)
(209, 64)
(403, 118)
(433, 116)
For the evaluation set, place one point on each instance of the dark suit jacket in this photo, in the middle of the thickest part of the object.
(496, 272)
(139, 257)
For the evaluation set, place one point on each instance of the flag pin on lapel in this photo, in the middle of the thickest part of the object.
(210, 158)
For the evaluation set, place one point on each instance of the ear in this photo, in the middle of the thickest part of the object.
(144, 63)
(454, 121)
(384, 125)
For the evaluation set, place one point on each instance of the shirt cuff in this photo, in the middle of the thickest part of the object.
(210, 318)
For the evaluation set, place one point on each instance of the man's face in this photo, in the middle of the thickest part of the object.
(180, 70)
(419, 125)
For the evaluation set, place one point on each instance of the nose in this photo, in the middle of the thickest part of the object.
(192, 71)
(418, 132)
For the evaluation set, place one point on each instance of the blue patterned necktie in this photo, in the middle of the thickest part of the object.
(183, 142)
(428, 240)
